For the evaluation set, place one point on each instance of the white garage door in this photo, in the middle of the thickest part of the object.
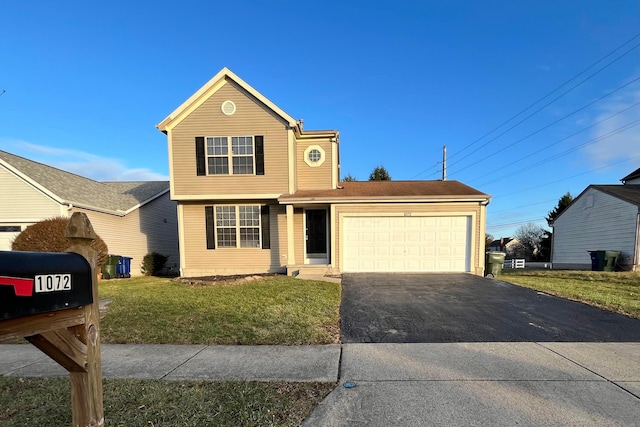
(407, 244)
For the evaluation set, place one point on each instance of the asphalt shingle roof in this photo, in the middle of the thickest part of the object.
(632, 175)
(629, 193)
(78, 190)
(392, 189)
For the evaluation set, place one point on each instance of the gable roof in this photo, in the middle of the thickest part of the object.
(209, 89)
(368, 191)
(632, 175)
(67, 188)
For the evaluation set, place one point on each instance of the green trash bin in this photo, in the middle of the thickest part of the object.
(493, 263)
(110, 268)
(610, 260)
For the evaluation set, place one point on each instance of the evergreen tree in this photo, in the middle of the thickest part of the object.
(379, 174)
(561, 206)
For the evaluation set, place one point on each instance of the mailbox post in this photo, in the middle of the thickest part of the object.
(52, 301)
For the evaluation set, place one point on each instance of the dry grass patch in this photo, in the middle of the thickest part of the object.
(46, 402)
(614, 291)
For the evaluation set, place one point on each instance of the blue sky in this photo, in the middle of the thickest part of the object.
(85, 84)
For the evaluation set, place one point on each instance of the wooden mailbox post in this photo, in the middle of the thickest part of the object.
(55, 307)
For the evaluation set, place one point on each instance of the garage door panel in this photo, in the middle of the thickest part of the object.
(411, 244)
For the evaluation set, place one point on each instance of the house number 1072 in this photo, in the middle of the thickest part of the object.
(53, 282)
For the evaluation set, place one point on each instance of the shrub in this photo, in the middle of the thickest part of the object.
(48, 236)
(153, 263)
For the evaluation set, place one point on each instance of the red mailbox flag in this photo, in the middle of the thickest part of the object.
(22, 287)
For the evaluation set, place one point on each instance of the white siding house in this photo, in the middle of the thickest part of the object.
(133, 218)
(602, 217)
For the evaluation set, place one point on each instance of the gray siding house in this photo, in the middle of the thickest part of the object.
(133, 218)
(602, 217)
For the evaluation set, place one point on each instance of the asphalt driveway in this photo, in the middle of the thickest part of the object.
(446, 308)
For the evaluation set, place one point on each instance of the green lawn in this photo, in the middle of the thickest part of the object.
(271, 310)
(46, 402)
(619, 291)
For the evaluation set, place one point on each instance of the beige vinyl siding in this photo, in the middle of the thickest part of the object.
(20, 202)
(201, 261)
(142, 231)
(313, 178)
(440, 209)
(251, 118)
(595, 221)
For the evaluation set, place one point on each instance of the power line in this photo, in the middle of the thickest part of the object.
(549, 94)
(551, 124)
(523, 206)
(571, 150)
(567, 178)
(511, 224)
(529, 155)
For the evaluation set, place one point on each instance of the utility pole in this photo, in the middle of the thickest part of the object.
(444, 163)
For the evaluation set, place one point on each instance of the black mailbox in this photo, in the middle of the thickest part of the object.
(41, 282)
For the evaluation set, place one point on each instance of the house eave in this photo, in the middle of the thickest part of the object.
(365, 200)
(207, 197)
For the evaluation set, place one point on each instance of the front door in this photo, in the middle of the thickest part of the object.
(316, 235)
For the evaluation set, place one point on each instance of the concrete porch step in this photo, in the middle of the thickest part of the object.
(309, 269)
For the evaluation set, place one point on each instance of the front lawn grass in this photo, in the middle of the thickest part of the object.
(614, 291)
(271, 310)
(46, 402)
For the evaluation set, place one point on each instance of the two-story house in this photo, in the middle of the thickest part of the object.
(257, 192)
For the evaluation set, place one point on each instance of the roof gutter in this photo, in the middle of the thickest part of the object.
(408, 199)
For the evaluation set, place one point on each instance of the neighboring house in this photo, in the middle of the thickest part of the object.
(258, 193)
(133, 218)
(602, 217)
(504, 244)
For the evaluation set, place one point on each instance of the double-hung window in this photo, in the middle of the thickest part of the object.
(230, 155)
(240, 155)
(238, 226)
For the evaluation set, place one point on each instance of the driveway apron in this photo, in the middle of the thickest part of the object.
(446, 308)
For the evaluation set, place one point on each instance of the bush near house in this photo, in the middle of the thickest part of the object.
(48, 236)
(153, 263)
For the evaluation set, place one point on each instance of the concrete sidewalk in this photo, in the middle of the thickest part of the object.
(403, 384)
(187, 362)
(492, 384)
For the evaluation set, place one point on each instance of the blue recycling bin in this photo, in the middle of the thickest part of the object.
(597, 260)
(124, 267)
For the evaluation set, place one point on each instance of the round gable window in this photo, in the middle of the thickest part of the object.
(314, 156)
(228, 108)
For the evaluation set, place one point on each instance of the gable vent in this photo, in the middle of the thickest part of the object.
(228, 108)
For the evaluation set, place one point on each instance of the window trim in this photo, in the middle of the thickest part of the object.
(230, 155)
(309, 149)
(237, 227)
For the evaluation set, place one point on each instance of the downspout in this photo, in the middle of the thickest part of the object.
(636, 257)
(553, 236)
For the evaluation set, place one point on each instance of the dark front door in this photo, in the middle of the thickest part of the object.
(316, 232)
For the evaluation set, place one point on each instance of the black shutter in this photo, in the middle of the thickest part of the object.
(259, 154)
(210, 220)
(266, 229)
(201, 167)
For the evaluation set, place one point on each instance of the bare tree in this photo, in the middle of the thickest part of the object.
(529, 238)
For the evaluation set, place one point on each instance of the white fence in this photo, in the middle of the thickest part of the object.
(513, 263)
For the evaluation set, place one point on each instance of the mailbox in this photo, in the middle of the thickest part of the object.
(41, 282)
